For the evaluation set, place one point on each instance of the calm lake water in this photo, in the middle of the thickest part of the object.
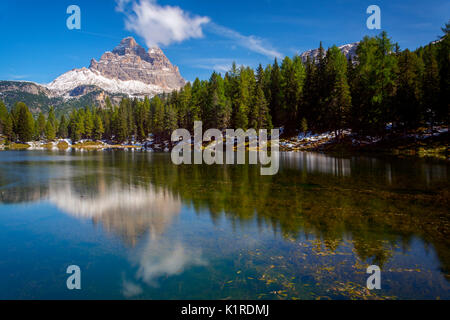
(140, 227)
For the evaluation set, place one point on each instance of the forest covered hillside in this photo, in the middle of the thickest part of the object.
(382, 88)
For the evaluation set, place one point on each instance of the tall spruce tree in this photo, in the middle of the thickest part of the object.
(98, 128)
(24, 122)
(431, 84)
(338, 102)
(443, 112)
(408, 105)
(3, 116)
(276, 95)
(62, 128)
(50, 125)
(40, 126)
(376, 79)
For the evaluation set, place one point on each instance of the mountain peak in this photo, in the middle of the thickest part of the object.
(128, 45)
(129, 40)
(128, 69)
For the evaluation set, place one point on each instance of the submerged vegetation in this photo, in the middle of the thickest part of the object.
(308, 232)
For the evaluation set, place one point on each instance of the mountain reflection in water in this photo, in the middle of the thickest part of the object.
(128, 211)
(320, 210)
(134, 213)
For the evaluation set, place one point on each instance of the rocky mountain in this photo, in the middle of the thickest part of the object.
(128, 70)
(349, 50)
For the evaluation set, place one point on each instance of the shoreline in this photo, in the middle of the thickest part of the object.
(427, 144)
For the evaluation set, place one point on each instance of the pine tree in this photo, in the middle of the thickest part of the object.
(263, 119)
(218, 113)
(409, 94)
(338, 101)
(62, 128)
(50, 133)
(198, 98)
(40, 126)
(323, 88)
(267, 84)
(243, 99)
(24, 122)
(4, 114)
(76, 125)
(8, 128)
(260, 114)
(310, 94)
(50, 126)
(293, 77)
(6, 122)
(276, 95)
(157, 108)
(375, 80)
(431, 84)
(98, 128)
(140, 119)
(121, 132)
(443, 110)
(88, 123)
(146, 115)
(51, 117)
(184, 109)
(170, 121)
(131, 123)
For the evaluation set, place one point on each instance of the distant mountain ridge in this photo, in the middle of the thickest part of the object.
(349, 50)
(39, 99)
(128, 70)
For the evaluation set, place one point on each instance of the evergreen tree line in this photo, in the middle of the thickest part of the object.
(329, 93)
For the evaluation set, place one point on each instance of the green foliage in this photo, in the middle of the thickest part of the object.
(6, 122)
(375, 83)
(23, 122)
(329, 93)
(40, 126)
(50, 126)
(63, 128)
(410, 90)
(50, 133)
(338, 102)
(76, 125)
(98, 128)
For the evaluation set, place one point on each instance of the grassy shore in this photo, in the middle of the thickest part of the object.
(420, 143)
(433, 147)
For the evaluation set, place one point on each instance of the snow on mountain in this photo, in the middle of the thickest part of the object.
(129, 69)
(85, 77)
(349, 50)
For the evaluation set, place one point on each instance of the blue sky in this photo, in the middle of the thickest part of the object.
(198, 35)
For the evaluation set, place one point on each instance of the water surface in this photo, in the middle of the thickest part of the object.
(140, 227)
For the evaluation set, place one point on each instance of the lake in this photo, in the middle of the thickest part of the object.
(140, 227)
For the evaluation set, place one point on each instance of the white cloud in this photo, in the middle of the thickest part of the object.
(252, 43)
(164, 25)
(164, 258)
(19, 76)
(160, 25)
(130, 289)
(216, 67)
(218, 64)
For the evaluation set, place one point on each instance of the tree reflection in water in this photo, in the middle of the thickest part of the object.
(326, 207)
